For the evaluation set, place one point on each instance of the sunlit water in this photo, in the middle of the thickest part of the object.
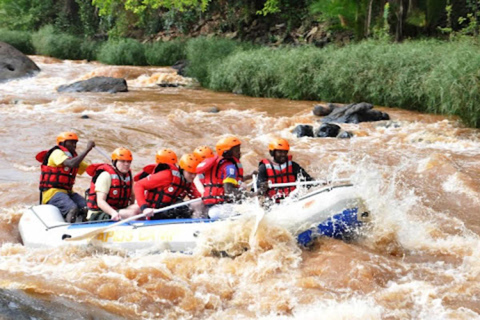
(418, 174)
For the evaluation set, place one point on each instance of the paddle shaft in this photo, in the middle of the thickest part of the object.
(304, 183)
(138, 216)
(103, 153)
(262, 211)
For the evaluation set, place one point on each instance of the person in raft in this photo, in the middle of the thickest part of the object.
(202, 153)
(111, 196)
(60, 166)
(163, 158)
(223, 178)
(280, 169)
(166, 187)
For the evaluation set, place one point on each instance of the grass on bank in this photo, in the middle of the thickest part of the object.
(428, 75)
(122, 52)
(165, 53)
(47, 41)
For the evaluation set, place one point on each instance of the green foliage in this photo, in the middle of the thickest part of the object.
(48, 41)
(19, 39)
(122, 52)
(428, 76)
(27, 14)
(88, 17)
(270, 7)
(106, 7)
(204, 53)
(165, 53)
(381, 32)
(332, 10)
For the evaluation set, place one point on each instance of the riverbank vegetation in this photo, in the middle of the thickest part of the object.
(419, 55)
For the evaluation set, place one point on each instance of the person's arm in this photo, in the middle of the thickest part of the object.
(102, 188)
(105, 207)
(132, 196)
(299, 171)
(75, 161)
(304, 174)
(230, 184)
(262, 179)
(158, 180)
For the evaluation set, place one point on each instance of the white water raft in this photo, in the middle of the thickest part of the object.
(332, 211)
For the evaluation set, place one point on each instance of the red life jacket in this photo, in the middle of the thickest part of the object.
(150, 169)
(56, 177)
(279, 173)
(120, 189)
(214, 192)
(165, 196)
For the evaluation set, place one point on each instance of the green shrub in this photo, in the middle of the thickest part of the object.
(204, 53)
(49, 42)
(428, 76)
(122, 52)
(165, 53)
(19, 39)
(89, 49)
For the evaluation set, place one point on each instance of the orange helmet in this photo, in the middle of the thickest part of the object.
(189, 162)
(64, 136)
(166, 156)
(203, 153)
(122, 154)
(226, 144)
(278, 144)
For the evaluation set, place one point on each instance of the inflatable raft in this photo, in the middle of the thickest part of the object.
(332, 211)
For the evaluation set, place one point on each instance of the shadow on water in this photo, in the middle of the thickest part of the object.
(18, 305)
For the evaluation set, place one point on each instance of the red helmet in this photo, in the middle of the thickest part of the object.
(226, 144)
(64, 136)
(122, 154)
(189, 162)
(166, 156)
(203, 153)
(278, 144)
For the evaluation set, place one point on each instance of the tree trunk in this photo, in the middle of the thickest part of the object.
(369, 19)
(401, 14)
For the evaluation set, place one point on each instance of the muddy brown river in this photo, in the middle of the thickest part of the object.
(418, 174)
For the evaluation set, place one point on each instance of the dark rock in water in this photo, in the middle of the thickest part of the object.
(321, 111)
(14, 64)
(327, 130)
(213, 110)
(356, 113)
(96, 84)
(167, 85)
(303, 130)
(345, 135)
(390, 124)
(180, 66)
(84, 117)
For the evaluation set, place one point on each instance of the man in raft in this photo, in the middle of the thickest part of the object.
(168, 186)
(163, 158)
(223, 177)
(59, 169)
(281, 169)
(111, 196)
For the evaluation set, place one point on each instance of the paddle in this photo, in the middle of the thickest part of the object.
(103, 153)
(261, 215)
(304, 183)
(138, 216)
